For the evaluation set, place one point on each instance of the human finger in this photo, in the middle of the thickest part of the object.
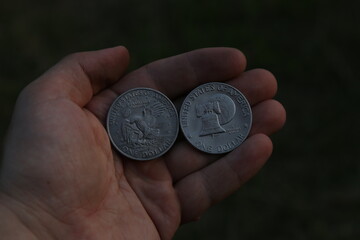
(200, 190)
(257, 85)
(175, 75)
(268, 117)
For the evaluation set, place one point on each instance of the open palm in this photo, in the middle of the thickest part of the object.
(62, 177)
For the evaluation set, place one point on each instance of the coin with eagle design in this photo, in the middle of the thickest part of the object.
(142, 124)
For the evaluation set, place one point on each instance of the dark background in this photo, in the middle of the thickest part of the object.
(310, 188)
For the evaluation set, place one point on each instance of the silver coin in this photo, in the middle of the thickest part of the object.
(142, 124)
(215, 117)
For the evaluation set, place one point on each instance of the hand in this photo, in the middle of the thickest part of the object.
(61, 179)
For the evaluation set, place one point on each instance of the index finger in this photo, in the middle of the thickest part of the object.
(179, 74)
(174, 76)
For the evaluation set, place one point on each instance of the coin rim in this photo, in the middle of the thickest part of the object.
(221, 83)
(110, 135)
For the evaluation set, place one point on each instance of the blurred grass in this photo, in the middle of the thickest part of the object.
(310, 187)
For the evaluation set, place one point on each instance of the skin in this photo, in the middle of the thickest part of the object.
(60, 178)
